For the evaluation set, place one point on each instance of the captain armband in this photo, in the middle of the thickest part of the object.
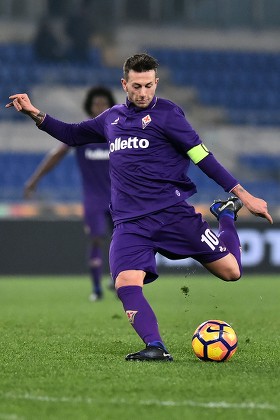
(197, 153)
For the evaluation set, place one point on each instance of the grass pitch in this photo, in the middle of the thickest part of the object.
(62, 357)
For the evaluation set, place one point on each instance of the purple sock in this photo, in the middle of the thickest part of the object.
(140, 314)
(95, 265)
(228, 234)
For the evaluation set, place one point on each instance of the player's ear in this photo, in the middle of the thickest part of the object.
(157, 80)
(124, 84)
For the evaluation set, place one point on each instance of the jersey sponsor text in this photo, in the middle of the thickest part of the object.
(98, 154)
(130, 143)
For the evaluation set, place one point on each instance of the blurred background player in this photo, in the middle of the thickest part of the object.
(93, 163)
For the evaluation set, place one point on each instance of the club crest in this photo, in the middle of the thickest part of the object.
(145, 121)
(131, 316)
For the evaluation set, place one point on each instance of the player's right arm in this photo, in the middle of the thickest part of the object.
(91, 131)
(22, 103)
(47, 164)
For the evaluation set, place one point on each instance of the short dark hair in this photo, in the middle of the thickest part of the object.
(139, 63)
(93, 93)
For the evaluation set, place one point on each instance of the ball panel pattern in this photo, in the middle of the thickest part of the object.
(214, 340)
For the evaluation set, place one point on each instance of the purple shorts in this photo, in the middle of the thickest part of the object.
(177, 232)
(97, 221)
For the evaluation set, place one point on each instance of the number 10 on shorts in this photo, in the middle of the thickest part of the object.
(210, 239)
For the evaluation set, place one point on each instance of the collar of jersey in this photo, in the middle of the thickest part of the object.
(130, 105)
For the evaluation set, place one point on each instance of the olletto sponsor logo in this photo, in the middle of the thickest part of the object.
(130, 143)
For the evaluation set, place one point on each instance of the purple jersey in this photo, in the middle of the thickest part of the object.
(93, 161)
(148, 154)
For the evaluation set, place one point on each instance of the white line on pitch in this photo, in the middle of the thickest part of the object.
(184, 403)
(9, 416)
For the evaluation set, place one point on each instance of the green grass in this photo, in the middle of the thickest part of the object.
(62, 357)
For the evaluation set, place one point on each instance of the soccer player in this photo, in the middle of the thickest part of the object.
(93, 163)
(151, 145)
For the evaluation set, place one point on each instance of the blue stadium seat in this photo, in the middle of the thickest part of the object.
(13, 53)
(244, 83)
(247, 84)
(62, 184)
(265, 163)
(95, 57)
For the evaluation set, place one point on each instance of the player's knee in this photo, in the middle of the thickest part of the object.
(232, 274)
(130, 278)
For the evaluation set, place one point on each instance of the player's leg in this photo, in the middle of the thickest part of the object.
(95, 228)
(228, 268)
(131, 250)
(95, 263)
(110, 228)
(186, 234)
(129, 285)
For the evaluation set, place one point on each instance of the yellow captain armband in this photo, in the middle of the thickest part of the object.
(197, 153)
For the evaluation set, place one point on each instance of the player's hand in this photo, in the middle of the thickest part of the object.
(258, 207)
(22, 103)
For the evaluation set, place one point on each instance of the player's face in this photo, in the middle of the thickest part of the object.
(140, 87)
(99, 104)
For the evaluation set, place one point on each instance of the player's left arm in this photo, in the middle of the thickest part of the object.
(213, 169)
(178, 129)
(181, 132)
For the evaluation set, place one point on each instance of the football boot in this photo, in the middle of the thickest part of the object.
(232, 204)
(150, 354)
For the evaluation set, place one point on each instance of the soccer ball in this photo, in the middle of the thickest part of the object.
(214, 340)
